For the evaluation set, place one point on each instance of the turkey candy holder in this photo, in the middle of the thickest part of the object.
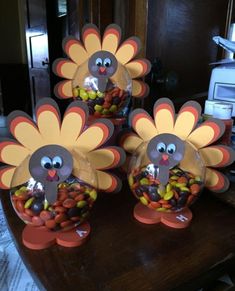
(101, 72)
(171, 160)
(54, 169)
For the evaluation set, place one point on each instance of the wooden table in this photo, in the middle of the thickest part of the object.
(123, 254)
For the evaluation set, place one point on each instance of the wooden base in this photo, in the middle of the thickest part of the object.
(180, 219)
(38, 238)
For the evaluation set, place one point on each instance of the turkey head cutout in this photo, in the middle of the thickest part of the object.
(102, 65)
(103, 57)
(165, 151)
(51, 165)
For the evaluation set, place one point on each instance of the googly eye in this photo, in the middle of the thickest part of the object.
(161, 147)
(171, 148)
(46, 162)
(98, 62)
(107, 62)
(57, 162)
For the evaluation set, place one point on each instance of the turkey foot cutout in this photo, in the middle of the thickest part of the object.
(179, 219)
(38, 238)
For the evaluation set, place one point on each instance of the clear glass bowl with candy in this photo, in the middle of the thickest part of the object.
(109, 100)
(163, 187)
(74, 199)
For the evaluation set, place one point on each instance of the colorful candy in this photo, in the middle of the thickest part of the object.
(72, 207)
(107, 104)
(181, 191)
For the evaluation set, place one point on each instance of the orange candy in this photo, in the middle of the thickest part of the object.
(195, 189)
(60, 218)
(45, 215)
(182, 180)
(50, 223)
(69, 203)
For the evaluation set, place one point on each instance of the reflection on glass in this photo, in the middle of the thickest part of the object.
(61, 8)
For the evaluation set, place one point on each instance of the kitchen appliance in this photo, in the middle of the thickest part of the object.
(222, 82)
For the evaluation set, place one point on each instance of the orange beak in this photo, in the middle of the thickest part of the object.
(165, 157)
(102, 70)
(51, 173)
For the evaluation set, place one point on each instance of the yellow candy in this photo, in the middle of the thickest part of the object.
(93, 194)
(18, 192)
(180, 185)
(168, 195)
(173, 183)
(184, 189)
(144, 181)
(92, 94)
(191, 181)
(62, 185)
(161, 209)
(46, 204)
(113, 108)
(23, 189)
(84, 95)
(161, 192)
(176, 171)
(29, 202)
(144, 200)
(75, 92)
(168, 187)
(130, 180)
(98, 108)
(81, 204)
(100, 94)
(105, 111)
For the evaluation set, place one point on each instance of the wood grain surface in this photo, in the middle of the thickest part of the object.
(123, 254)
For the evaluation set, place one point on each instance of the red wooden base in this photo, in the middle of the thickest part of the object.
(37, 238)
(180, 219)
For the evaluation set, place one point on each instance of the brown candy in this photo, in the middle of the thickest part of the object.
(181, 191)
(73, 201)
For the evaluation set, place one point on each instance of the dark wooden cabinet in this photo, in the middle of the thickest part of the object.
(176, 36)
(179, 41)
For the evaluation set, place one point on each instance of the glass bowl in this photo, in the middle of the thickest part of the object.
(186, 180)
(75, 198)
(112, 103)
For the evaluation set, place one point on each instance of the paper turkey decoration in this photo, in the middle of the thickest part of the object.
(51, 151)
(172, 159)
(101, 71)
